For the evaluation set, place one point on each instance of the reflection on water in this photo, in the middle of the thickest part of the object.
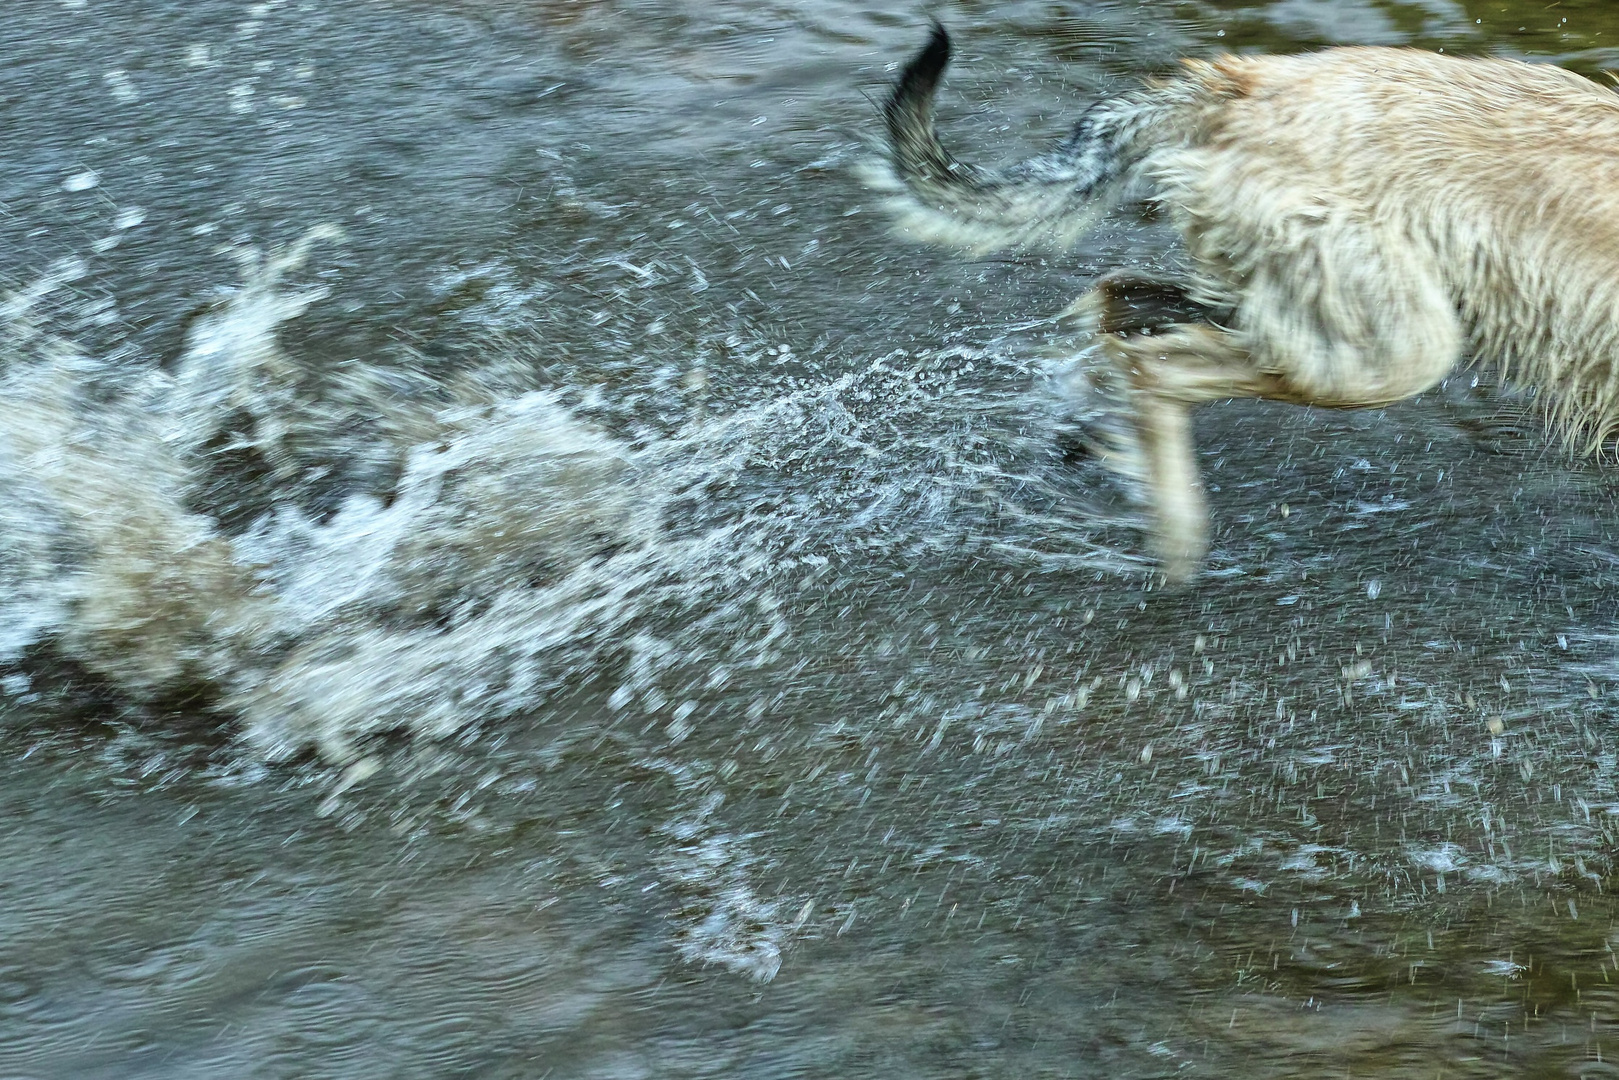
(509, 569)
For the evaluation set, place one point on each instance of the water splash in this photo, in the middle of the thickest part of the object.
(327, 555)
(722, 920)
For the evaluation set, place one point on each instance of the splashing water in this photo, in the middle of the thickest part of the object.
(426, 555)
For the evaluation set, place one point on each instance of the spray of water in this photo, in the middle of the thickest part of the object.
(421, 555)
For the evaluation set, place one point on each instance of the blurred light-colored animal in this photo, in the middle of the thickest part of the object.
(1357, 220)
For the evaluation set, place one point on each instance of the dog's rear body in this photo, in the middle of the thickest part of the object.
(1358, 219)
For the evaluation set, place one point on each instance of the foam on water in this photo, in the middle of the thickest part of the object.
(427, 554)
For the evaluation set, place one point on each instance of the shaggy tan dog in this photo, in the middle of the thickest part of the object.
(1357, 220)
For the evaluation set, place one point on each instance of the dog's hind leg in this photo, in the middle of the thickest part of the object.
(1122, 304)
(1339, 313)
(1155, 336)
(1169, 373)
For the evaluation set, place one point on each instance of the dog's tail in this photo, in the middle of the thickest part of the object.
(1046, 201)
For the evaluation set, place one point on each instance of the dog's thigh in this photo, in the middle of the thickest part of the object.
(1347, 314)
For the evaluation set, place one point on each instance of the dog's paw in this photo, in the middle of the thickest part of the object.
(1092, 416)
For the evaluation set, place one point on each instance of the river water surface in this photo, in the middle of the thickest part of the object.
(508, 569)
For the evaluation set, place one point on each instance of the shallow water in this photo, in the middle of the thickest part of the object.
(510, 570)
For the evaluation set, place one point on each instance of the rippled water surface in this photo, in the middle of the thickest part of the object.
(508, 569)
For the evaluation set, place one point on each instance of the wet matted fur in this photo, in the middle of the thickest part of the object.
(1358, 219)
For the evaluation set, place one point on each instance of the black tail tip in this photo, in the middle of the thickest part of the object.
(921, 74)
(938, 42)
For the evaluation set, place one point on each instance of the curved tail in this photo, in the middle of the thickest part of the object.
(1045, 201)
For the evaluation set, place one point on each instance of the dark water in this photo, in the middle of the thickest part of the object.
(605, 608)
